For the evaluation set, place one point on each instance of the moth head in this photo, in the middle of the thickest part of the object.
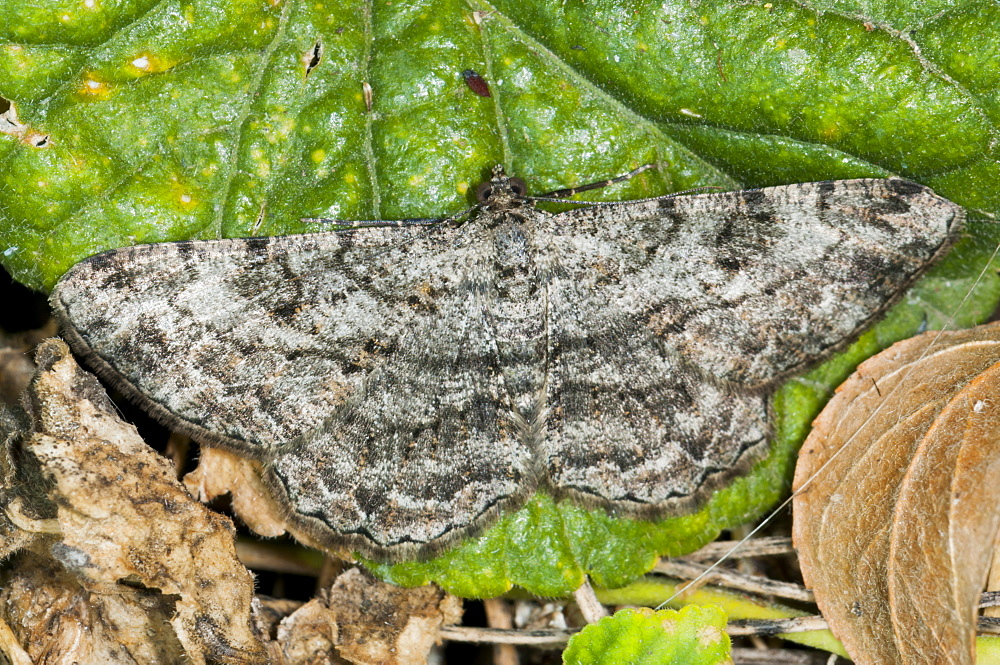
(501, 190)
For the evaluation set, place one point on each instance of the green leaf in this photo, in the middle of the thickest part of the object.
(655, 590)
(696, 635)
(187, 119)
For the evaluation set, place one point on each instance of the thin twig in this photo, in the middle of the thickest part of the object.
(550, 637)
(990, 599)
(590, 607)
(498, 615)
(776, 626)
(754, 547)
(750, 583)
(743, 656)
(989, 625)
(275, 557)
(683, 569)
(557, 637)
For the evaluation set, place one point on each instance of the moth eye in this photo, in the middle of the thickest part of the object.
(483, 192)
(519, 186)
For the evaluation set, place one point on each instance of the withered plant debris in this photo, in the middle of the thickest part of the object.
(365, 622)
(58, 620)
(119, 564)
(895, 534)
(220, 471)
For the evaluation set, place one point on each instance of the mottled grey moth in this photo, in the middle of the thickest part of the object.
(404, 384)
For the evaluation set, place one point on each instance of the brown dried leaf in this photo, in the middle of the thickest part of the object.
(61, 622)
(220, 471)
(98, 504)
(308, 635)
(895, 533)
(363, 621)
(382, 624)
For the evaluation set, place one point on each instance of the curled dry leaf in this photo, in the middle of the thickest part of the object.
(220, 471)
(365, 622)
(901, 479)
(133, 557)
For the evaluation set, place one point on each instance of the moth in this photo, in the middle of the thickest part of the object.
(402, 385)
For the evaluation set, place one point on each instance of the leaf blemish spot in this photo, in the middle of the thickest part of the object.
(367, 92)
(9, 124)
(313, 57)
(709, 635)
(94, 87)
